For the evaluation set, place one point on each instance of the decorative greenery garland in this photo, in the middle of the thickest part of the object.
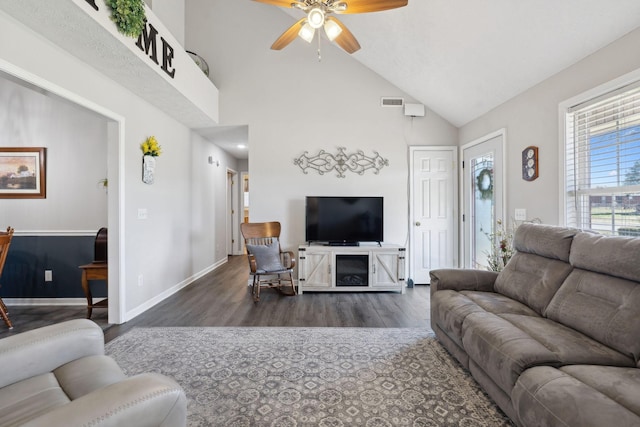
(486, 191)
(129, 16)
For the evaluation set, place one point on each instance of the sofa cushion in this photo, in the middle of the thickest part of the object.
(548, 241)
(619, 384)
(539, 266)
(603, 307)
(549, 397)
(29, 399)
(449, 309)
(532, 279)
(498, 304)
(505, 345)
(622, 255)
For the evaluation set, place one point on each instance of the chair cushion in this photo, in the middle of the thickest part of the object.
(267, 256)
(29, 399)
(88, 374)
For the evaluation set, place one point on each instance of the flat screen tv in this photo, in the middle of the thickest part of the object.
(344, 220)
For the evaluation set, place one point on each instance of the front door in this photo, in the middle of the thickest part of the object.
(482, 197)
(433, 227)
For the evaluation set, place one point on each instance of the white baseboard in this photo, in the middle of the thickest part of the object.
(166, 294)
(48, 301)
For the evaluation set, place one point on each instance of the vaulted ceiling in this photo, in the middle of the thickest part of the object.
(463, 58)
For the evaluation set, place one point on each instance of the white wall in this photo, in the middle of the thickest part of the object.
(76, 159)
(532, 119)
(171, 13)
(208, 206)
(293, 103)
(161, 247)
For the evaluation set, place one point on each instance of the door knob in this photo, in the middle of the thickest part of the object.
(418, 224)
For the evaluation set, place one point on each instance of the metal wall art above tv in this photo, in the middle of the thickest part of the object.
(344, 220)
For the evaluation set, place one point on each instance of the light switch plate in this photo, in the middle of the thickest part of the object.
(520, 214)
(142, 213)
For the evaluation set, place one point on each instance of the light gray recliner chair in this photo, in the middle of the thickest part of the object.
(58, 375)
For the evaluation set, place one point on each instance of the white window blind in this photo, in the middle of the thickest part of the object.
(603, 163)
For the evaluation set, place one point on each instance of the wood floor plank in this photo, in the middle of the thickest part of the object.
(222, 298)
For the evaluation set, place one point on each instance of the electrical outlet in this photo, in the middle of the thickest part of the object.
(48, 275)
(140, 280)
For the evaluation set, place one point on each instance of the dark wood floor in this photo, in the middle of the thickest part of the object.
(222, 298)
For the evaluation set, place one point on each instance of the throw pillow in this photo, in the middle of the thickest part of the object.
(267, 256)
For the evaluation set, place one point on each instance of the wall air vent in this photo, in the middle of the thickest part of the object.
(391, 102)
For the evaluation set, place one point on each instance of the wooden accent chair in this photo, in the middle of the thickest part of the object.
(5, 241)
(269, 266)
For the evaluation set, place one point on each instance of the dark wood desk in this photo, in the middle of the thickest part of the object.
(93, 271)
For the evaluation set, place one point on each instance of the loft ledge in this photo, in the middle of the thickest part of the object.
(155, 67)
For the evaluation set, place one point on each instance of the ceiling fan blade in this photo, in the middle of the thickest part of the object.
(364, 6)
(281, 3)
(345, 39)
(288, 36)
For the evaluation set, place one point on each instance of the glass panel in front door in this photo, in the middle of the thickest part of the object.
(482, 208)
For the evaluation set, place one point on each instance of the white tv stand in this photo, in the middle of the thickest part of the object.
(364, 268)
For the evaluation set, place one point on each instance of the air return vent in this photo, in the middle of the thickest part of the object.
(391, 102)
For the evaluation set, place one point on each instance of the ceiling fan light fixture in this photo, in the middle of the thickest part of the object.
(307, 32)
(332, 29)
(315, 18)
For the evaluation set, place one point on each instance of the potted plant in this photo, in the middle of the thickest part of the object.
(150, 150)
(128, 15)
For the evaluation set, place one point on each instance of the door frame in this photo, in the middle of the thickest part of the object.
(411, 213)
(116, 214)
(232, 212)
(498, 133)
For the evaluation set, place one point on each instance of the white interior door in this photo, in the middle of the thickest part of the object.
(433, 228)
(483, 189)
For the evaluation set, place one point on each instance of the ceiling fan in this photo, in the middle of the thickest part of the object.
(317, 16)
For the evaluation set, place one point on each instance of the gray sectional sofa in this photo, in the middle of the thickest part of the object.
(554, 338)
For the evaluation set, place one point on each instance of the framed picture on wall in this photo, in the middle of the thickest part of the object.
(22, 173)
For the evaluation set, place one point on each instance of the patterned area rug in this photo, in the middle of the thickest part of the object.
(328, 377)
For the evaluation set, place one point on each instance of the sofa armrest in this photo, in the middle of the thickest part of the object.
(145, 400)
(462, 280)
(42, 350)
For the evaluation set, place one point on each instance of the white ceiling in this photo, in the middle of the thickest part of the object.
(462, 58)
(232, 139)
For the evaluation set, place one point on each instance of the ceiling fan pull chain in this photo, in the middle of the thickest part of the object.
(319, 54)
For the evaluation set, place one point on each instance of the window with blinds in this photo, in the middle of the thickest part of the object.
(603, 163)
